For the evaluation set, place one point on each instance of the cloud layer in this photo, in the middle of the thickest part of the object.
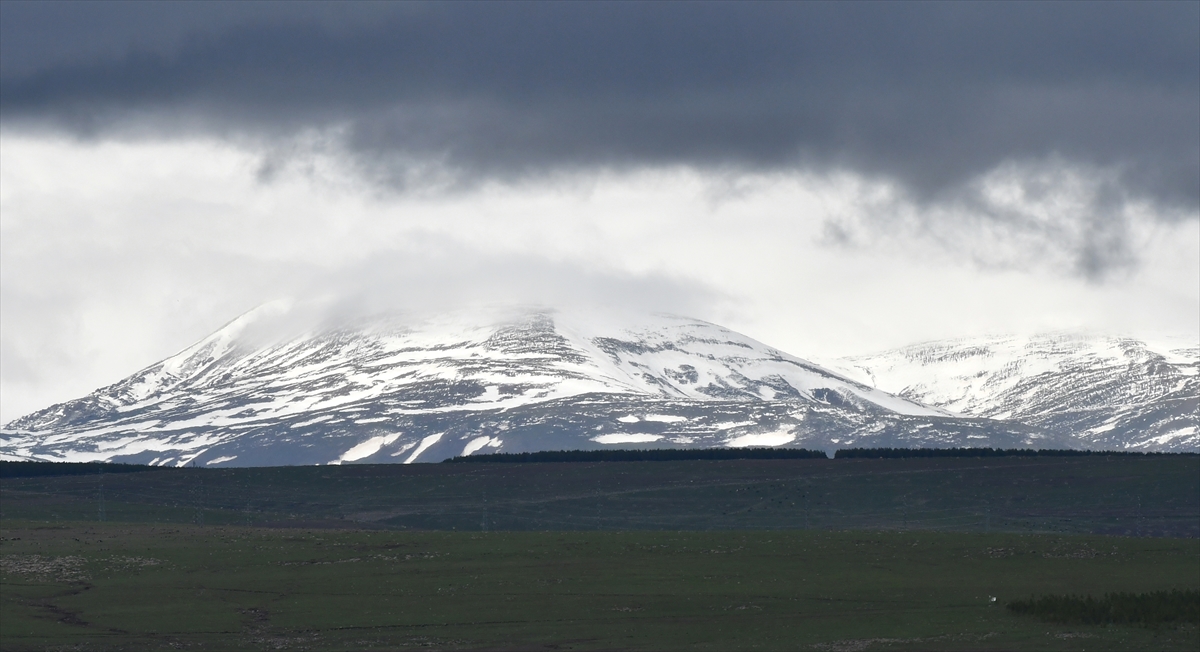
(931, 96)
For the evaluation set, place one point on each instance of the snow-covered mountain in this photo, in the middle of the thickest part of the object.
(396, 389)
(1103, 392)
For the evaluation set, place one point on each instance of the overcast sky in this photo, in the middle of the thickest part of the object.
(827, 178)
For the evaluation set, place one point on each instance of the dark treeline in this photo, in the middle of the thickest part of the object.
(649, 455)
(36, 469)
(1147, 609)
(673, 454)
(877, 453)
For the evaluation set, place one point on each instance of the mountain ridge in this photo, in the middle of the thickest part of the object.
(1109, 392)
(390, 388)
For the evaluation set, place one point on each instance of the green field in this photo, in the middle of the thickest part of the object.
(737, 554)
(115, 586)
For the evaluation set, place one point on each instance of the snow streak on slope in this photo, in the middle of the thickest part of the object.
(401, 390)
(1106, 392)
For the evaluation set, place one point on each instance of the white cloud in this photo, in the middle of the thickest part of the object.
(116, 254)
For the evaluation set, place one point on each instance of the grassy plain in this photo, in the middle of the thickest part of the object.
(738, 554)
(120, 586)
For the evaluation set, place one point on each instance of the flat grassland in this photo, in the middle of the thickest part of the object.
(117, 586)
(769, 555)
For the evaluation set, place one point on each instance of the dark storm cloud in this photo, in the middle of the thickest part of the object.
(928, 94)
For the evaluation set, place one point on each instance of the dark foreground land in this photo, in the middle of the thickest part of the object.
(837, 555)
(116, 586)
(1118, 495)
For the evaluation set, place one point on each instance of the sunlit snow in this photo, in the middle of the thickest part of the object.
(778, 438)
(425, 443)
(479, 442)
(368, 447)
(626, 439)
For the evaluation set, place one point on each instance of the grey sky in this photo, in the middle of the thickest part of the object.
(930, 94)
(839, 176)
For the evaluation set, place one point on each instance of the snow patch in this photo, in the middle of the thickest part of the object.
(367, 448)
(1175, 434)
(425, 443)
(480, 442)
(733, 424)
(310, 422)
(404, 449)
(778, 438)
(626, 439)
(491, 394)
(665, 418)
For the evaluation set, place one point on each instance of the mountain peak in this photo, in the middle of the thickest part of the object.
(263, 390)
(1105, 391)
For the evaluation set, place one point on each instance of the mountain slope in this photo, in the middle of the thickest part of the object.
(401, 390)
(1105, 392)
